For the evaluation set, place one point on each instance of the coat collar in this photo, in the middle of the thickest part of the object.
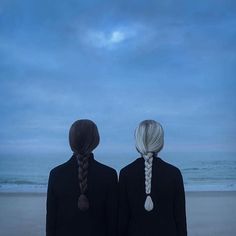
(73, 158)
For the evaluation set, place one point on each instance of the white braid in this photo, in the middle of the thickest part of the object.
(148, 171)
(148, 205)
(149, 137)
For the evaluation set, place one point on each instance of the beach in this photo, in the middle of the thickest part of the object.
(208, 213)
(211, 213)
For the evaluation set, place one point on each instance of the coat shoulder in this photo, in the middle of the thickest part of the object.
(166, 166)
(169, 168)
(107, 170)
(132, 167)
(60, 168)
(104, 169)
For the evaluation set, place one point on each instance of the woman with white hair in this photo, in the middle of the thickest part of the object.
(151, 191)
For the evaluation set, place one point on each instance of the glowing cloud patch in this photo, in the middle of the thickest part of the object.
(101, 39)
(117, 36)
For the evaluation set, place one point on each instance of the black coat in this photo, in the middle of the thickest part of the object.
(63, 216)
(168, 217)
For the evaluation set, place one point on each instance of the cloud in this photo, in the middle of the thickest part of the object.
(117, 37)
(101, 39)
(136, 62)
(110, 39)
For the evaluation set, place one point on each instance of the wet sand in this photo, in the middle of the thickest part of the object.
(208, 214)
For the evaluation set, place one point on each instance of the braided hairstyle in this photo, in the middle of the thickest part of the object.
(149, 138)
(83, 139)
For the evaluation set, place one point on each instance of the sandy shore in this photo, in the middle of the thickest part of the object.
(208, 214)
(211, 213)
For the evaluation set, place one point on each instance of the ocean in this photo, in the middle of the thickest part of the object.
(201, 172)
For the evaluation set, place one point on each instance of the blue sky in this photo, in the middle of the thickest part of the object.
(117, 63)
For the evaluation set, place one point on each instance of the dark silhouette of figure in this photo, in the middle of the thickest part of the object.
(82, 193)
(151, 191)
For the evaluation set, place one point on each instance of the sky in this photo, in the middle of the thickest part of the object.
(117, 63)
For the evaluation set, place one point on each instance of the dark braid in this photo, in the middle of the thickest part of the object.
(83, 163)
(83, 138)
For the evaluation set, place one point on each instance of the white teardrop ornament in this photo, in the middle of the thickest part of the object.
(148, 203)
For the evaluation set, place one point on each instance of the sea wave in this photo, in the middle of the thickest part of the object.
(20, 182)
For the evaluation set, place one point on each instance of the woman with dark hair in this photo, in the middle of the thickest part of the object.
(151, 191)
(82, 193)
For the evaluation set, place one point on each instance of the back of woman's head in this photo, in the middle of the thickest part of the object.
(149, 139)
(83, 136)
(83, 139)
